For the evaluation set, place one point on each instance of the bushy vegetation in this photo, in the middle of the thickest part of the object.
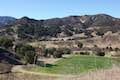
(84, 53)
(37, 31)
(66, 50)
(26, 53)
(5, 42)
(49, 51)
(23, 51)
(100, 53)
(117, 49)
(80, 45)
(109, 48)
(56, 52)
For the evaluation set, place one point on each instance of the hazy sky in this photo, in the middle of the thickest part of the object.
(43, 9)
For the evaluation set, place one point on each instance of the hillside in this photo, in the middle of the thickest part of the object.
(26, 28)
(7, 60)
(107, 40)
(4, 20)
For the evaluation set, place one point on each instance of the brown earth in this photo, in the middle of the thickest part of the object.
(109, 39)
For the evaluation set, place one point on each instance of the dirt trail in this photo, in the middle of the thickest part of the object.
(52, 60)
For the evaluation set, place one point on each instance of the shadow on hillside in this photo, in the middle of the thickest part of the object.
(8, 57)
(50, 65)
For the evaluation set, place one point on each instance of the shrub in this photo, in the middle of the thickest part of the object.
(84, 53)
(100, 53)
(109, 48)
(65, 50)
(5, 42)
(57, 54)
(49, 51)
(80, 45)
(45, 52)
(26, 53)
(117, 49)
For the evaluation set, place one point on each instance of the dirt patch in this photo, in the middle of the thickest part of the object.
(21, 76)
(52, 60)
(5, 68)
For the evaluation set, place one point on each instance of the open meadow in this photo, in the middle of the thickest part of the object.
(76, 65)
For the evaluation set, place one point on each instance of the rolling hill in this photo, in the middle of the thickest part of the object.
(88, 26)
(4, 20)
(63, 27)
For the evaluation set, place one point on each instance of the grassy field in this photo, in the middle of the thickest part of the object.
(76, 65)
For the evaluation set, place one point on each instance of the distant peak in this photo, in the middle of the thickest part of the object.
(103, 15)
(25, 18)
(6, 17)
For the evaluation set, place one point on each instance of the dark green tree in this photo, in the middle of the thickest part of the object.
(58, 53)
(26, 53)
(49, 51)
(80, 45)
(5, 42)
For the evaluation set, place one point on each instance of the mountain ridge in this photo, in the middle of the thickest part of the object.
(4, 20)
(67, 26)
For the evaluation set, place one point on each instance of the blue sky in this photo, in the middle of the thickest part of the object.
(44, 9)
